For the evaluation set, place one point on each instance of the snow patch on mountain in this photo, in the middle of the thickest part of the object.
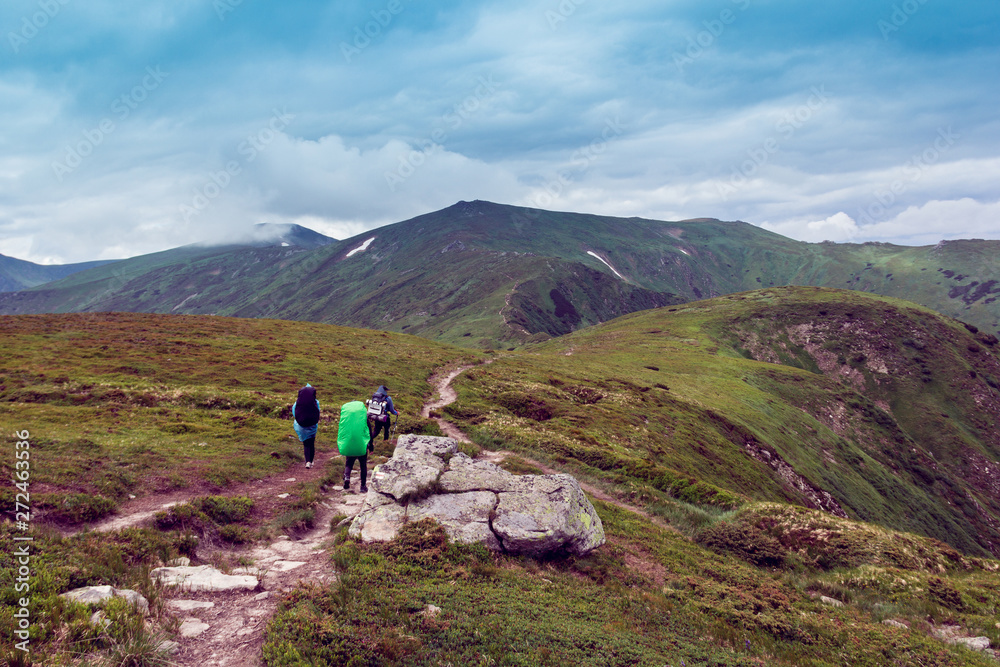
(594, 254)
(362, 247)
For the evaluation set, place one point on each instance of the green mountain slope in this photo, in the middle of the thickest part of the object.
(136, 284)
(488, 275)
(17, 274)
(665, 409)
(862, 406)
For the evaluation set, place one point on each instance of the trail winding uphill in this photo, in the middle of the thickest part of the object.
(227, 628)
(446, 395)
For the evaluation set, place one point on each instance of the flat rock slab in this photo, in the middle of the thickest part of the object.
(189, 605)
(476, 502)
(99, 594)
(286, 565)
(203, 578)
(464, 516)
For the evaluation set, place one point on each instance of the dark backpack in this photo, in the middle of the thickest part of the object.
(377, 405)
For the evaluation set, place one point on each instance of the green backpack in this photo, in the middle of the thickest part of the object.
(352, 432)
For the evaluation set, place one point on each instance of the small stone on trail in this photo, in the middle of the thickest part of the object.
(192, 627)
(290, 479)
(974, 643)
(262, 596)
(167, 646)
(286, 565)
(99, 594)
(283, 495)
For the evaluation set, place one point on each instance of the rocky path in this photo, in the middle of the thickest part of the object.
(506, 305)
(141, 510)
(226, 628)
(446, 396)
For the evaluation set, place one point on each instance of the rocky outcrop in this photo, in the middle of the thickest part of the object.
(476, 502)
(97, 595)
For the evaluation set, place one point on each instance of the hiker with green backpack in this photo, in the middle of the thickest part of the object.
(353, 439)
(379, 408)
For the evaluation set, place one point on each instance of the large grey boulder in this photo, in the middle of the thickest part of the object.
(476, 502)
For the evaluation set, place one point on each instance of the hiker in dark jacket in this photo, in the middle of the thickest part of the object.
(305, 414)
(379, 408)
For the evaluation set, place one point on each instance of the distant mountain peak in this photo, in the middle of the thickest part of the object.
(287, 234)
(475, 207)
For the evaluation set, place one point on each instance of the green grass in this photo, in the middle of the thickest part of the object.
(709, 425)
(681, 411)
(683, 605)
(121, 404)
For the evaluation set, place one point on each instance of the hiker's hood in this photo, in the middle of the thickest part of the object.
(306, 411)
(382, 390)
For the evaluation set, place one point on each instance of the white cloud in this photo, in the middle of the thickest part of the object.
(917, 225)
(839, 227)
(556, 85)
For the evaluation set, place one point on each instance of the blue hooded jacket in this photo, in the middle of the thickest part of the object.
(305, 432)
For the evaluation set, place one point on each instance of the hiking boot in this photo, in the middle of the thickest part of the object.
(364, 489)
(347, 482)
(309, 464)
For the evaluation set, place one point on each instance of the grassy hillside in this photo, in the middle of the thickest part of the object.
(148, 403)
(666, 409)
(486, 275)
(865, 406)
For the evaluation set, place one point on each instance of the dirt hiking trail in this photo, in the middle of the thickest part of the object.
(227, 629)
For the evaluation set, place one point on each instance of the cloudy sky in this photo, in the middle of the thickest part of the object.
(127, 128)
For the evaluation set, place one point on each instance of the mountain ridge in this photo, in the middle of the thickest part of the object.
(18, 274)
(482, 274)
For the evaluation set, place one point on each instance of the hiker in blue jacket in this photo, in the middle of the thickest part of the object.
(379, 408)
(305, 414)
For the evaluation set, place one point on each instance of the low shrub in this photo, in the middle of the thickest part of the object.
(235, 534)
(225, 509)
(525, 406)
(744, 541)
(74, 508)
